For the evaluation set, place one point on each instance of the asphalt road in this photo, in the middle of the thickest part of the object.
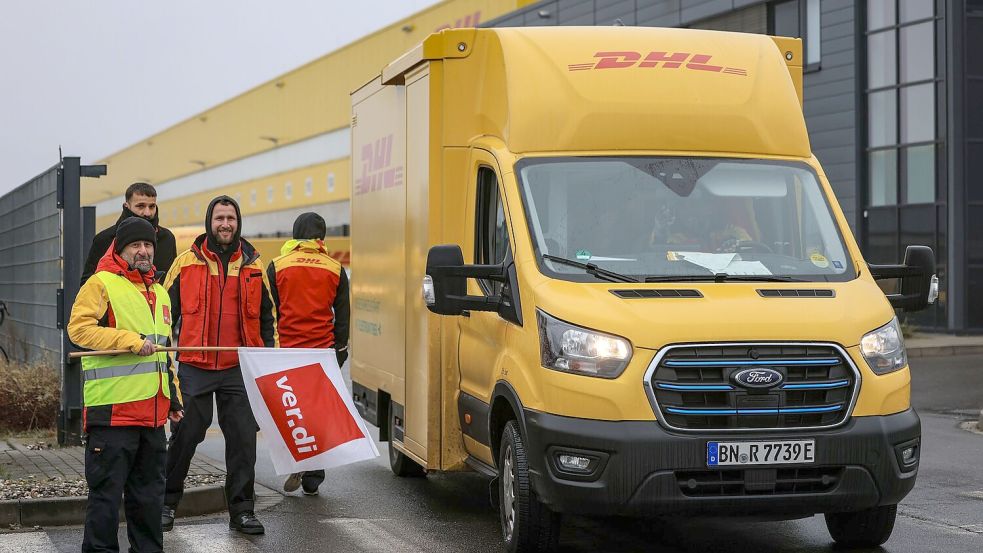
(365, 508)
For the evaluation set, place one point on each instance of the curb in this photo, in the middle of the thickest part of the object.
(942, 351)
(68, 511)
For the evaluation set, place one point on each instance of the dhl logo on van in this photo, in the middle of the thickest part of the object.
(470, 20)
(676, 60)
(377, 170)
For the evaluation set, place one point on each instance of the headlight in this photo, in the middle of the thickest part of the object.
(572, 349)
(884, 348)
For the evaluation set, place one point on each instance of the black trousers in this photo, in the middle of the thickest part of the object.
(235, 418)
(124, 463)
(312, 478)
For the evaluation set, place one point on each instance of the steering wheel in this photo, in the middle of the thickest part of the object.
(752, 246)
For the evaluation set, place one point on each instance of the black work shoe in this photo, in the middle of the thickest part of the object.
(247, 523)
(167, 518)
(310, 490)
(293, 482)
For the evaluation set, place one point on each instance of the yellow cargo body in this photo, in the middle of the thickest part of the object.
(602, 266)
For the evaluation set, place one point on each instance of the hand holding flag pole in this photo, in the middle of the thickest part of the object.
(77, 354)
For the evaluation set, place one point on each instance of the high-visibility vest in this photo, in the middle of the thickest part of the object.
(110, 379)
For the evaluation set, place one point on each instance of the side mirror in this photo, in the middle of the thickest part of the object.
(446, 283)
(919, 284)
(441, 290)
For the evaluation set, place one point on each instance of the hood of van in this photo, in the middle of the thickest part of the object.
(720, 312)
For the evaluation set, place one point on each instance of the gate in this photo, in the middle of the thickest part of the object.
(44, 237)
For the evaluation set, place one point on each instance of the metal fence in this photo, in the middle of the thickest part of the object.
(31, 270)
(44, 236)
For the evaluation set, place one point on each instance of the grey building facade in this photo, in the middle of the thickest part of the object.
(893, 99)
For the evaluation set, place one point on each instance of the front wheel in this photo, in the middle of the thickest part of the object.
(867, 528)
(527, 524)
(400, 464)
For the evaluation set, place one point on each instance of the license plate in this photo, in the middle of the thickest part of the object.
(779, 452)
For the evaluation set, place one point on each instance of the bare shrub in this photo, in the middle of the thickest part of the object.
(29, 396)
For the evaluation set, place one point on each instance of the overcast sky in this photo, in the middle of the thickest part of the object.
(95, 76)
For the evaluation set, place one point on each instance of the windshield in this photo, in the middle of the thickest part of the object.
(651, 217)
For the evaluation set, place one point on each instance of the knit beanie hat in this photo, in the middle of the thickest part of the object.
(309, 226)
(132, 229)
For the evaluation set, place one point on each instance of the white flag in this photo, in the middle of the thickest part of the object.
(304, 409)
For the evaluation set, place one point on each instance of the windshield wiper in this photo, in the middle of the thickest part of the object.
(591, 269)
(757, 278)
(721, 277)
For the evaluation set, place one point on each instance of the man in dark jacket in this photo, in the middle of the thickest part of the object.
(220, 297)
(141, 201)
(310, 290)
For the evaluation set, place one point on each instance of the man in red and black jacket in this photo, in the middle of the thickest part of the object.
(220, 297)
(310, 290)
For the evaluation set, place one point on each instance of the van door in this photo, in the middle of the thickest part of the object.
(482, 334)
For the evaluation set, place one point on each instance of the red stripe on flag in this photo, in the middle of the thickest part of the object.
(308, 411)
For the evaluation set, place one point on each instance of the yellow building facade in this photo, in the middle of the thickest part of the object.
(281, 148)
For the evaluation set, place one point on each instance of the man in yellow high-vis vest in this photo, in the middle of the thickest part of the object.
(127, 397)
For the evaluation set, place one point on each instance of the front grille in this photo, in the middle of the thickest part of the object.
(694, 390)
(722, 483)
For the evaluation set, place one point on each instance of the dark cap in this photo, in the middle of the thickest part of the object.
(309, 226)
(132, 229)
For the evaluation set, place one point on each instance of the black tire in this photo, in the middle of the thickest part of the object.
(400, 464)
(867, 528)
(527, 524)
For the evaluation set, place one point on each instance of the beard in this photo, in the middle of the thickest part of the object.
(143, 265)
(222, 241)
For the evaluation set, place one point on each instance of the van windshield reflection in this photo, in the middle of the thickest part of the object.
(660, 218)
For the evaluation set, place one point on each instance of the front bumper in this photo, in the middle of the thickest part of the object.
(645, 470)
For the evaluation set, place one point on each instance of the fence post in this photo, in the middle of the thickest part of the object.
(77, 232)
(70, 414)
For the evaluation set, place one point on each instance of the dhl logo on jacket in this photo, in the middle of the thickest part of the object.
(309, 287)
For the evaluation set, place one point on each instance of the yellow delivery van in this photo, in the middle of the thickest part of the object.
(602, 266)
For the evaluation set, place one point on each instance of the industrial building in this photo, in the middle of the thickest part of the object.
(892, 93)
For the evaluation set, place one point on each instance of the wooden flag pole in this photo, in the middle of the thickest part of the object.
(77, 354)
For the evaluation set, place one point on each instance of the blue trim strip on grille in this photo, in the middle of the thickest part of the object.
(752, 363)
(694, 387)
(678, 411)
(817, 385)
(827, 409)
(781, 411)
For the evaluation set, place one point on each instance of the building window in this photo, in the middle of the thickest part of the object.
(252, 197)
(330, 182)
(288, 190)
(309, 187)
(801, 19)
(902, 132)
(269, 194)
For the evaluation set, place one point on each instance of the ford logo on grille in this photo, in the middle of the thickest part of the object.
(758, 378)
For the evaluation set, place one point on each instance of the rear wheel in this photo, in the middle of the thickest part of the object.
(527, 524)
(867, 528)
(400, 464)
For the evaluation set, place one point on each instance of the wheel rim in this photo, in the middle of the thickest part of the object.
(508, 493)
